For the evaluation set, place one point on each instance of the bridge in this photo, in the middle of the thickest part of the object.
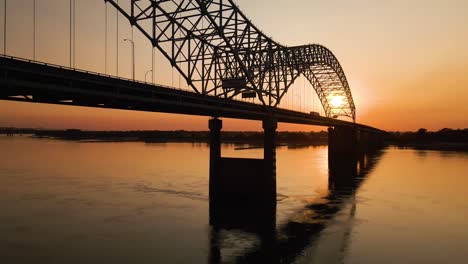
(231, 69)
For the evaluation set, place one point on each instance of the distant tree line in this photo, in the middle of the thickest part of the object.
(420, 137)
(424, 136)
(183, 136)
(14, 130)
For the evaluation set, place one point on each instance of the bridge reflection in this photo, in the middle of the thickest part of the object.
(302, 236)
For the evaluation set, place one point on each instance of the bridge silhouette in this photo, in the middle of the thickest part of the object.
(224, 59)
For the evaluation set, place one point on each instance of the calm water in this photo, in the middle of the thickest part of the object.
(69, 202)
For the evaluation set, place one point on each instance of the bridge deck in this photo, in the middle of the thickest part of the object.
(30, 81)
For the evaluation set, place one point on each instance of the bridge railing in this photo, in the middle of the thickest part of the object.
(126, 79)
(89, 72)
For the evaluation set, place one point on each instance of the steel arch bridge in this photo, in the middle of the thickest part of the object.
(220, 52)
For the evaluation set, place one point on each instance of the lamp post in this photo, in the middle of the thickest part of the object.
(133, 57)
(146, 73)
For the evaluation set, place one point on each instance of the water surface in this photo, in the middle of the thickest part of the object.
(71, 202)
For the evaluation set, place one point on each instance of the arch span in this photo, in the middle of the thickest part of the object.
(220, 52)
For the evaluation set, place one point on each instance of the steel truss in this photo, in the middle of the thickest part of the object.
(219, 52)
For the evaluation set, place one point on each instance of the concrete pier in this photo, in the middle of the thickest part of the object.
(243, 189)
(215, 126)
(348, 141)
(346, 148)
(269, 155)
(342, 142)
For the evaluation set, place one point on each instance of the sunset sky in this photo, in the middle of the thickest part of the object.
(406, 61)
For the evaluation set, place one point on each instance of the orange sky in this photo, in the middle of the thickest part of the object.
(406, 61)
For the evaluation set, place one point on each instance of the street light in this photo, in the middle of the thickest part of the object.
(146, 73)
(133, 57)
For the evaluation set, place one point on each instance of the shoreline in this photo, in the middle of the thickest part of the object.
(249, 138)
(439, 146)
(229, 137)
(250, 144)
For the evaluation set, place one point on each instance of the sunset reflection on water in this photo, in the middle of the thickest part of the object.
(73, 202)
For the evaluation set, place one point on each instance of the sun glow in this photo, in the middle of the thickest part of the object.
(337, 101)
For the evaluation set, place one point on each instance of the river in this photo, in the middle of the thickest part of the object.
(131, 202)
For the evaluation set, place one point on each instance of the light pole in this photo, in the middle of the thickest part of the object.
(146, 73)
(133, 57)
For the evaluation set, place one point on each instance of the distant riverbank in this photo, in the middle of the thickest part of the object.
(253, 138)
(442, 146)
(445, 139)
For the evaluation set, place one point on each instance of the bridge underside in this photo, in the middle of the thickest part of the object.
(22, 80)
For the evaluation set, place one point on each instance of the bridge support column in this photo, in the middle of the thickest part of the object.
(342, 155)
(243, 190)
(269, 154)
(215, 126)
(342, 142)
(369, 141)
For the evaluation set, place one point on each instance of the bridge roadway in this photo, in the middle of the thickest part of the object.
(32, 81)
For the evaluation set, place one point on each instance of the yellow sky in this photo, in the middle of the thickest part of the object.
(406, 61)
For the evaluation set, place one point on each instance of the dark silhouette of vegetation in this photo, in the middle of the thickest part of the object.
(14, 130)
(444, 139)
(290, 138)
